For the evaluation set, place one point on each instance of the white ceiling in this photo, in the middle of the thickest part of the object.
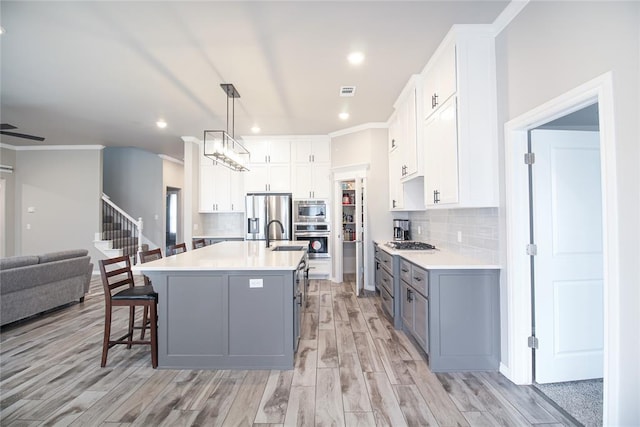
(98, 72)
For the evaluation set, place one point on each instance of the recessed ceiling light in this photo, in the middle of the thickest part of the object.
(355, 58)
(343, 116)
(255, 129)
(161, 124)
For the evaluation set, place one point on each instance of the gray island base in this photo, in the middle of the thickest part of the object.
(240, 318)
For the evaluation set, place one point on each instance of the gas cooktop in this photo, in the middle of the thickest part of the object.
(410, 245)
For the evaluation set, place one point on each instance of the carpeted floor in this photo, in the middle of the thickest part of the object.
(581, 399)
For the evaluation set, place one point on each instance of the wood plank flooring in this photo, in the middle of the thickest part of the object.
(352, 369)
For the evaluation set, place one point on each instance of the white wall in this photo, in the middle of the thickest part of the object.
(548, 49)
(63, 186)
(8, 158)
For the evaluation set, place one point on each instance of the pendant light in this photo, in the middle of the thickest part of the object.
(220, 146)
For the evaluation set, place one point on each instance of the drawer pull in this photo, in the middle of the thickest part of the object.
(418, 279)
(405, 271)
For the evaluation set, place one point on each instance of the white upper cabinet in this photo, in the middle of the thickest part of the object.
(441, 166)
(268, 151)
(440, 78)
(314, 150)
(460, 130)
(269, 169)
(311, 172)
(221, 190)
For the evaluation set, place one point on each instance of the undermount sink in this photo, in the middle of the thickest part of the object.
(288, 248)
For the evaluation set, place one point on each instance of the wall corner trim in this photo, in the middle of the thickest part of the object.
(507, 15)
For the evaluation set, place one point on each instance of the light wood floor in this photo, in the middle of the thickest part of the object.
(352, 368)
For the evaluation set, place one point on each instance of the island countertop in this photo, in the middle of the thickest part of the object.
(233, 255)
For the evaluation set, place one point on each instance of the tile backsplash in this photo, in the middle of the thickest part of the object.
(221, 225)
(478, 228)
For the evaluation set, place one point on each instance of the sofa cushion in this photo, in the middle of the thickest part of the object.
(18, 279)
(17, 261)
(60, 255)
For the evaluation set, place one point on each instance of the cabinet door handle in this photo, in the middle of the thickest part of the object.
(409, 295)
(434, 100)
(436, 196)
(313, 157)
(393, 143)
(394, 203)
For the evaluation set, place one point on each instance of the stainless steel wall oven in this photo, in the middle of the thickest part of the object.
(317, 237)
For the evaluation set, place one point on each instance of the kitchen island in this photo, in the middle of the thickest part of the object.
(232, 305)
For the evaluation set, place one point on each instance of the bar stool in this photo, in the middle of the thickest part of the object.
(198, 243)
(120, 290)
(176, 249)
(147, 256)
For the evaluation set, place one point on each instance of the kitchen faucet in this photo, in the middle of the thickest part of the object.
(266, 229)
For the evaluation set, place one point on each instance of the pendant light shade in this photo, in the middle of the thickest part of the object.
(220, 146)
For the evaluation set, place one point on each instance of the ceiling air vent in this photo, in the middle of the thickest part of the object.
(347, 90)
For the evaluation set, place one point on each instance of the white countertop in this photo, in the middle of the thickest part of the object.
(439, 259)
(235, 255)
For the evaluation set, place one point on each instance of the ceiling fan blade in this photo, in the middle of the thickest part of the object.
(22, 135)
(6, 126)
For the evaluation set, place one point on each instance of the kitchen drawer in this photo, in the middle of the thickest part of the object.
(405, 270)
(420, 280)
(386, 281)
(387, 301)
(386, 261)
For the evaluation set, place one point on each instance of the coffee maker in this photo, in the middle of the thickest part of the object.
(401, 229)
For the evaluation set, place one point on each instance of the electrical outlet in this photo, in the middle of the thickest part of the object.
(459, 236)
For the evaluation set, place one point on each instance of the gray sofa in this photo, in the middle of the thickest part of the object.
(32, 284)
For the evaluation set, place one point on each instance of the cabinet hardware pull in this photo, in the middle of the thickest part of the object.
(436, 196)
(417, 279)
(434, 100)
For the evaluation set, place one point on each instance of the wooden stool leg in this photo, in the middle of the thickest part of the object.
(107, 335)
(132, 315)
(154, 335)
(145, 320)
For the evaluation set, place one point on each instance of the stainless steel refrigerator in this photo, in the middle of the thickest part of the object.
(261, 208)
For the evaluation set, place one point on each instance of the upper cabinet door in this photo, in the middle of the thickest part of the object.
(311, 150)
(280, 151)
(440, 79)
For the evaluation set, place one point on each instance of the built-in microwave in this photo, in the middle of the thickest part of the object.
(311, 211)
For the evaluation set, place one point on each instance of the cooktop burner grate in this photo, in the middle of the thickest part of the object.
(410, 245)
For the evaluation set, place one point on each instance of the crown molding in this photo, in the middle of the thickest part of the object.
(359, 128)
(507, 15)
(50, 147)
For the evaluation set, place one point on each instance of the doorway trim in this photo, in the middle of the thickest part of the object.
(518, 274)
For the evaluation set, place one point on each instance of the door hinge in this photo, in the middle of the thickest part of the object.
(532, 249)
(529, 158)
(532, 342)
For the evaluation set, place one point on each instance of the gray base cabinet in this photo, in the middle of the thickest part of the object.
(464, 333)
(454, 315)
(414, 303)
(225, 320)
(386, 280)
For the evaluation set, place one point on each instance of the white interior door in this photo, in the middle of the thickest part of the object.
(568, 268)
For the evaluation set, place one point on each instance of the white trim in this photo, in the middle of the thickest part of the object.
(357, 170)
(598, 90)
(171, 159)
(508, 14)
(50, 147)
(359, 128)
(6, 168)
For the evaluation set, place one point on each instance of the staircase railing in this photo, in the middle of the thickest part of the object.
(129, 226)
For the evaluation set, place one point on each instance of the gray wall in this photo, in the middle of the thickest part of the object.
(8, 158)
(368, 146)
(173, 176)
(548, 49)
(64, 188)
(133, 179)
